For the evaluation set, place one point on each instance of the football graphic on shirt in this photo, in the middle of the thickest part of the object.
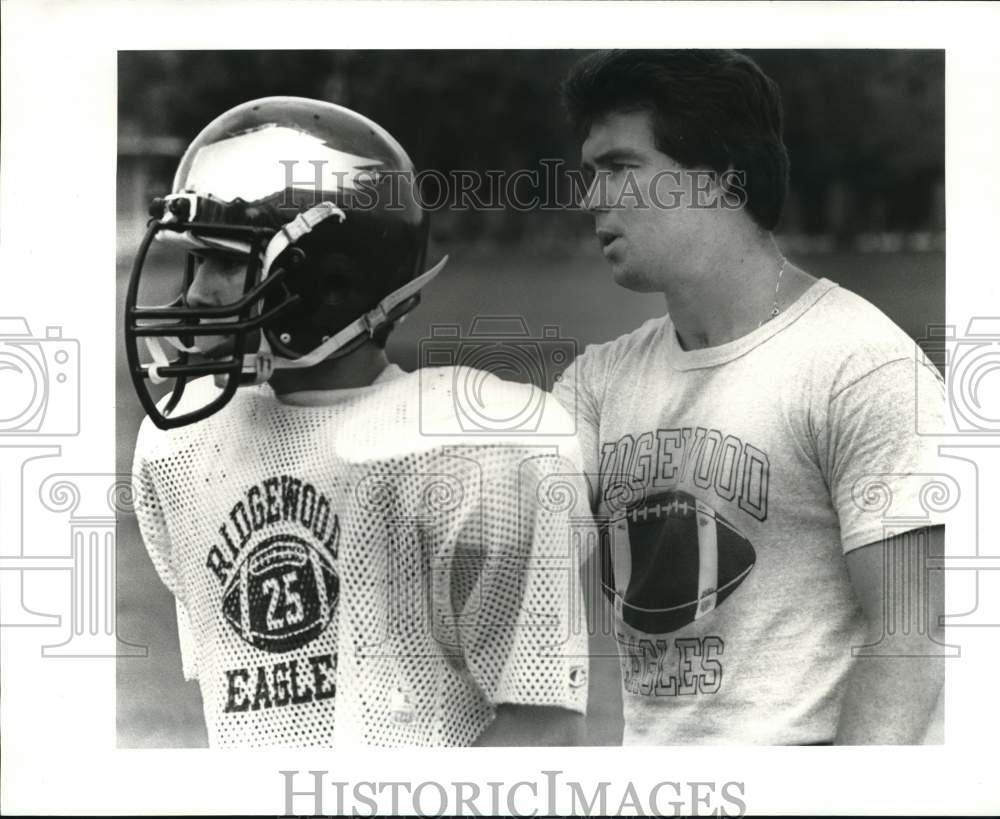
(671, 560)
(282, 595)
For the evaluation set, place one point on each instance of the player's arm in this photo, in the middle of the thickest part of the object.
(890, 700)
(880, 468)
(534, 725)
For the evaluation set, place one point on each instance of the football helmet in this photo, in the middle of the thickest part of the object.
(319, 204)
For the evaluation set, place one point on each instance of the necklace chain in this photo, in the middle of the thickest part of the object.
(774, 308)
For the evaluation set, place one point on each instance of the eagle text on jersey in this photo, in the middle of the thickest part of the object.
(284, 683)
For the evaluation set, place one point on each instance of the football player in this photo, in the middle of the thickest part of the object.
(748, 442)
(340, 577)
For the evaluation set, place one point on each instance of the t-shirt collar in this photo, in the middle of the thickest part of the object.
(681, 359)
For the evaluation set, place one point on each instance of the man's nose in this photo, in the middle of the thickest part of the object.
(595, 198)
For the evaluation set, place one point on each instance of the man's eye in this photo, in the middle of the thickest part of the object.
(223, 263)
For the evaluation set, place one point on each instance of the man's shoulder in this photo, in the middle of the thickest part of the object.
(436, 408)
(854, 312)
(597, 362)
(651, 331)
(848, 337)
(475, 403)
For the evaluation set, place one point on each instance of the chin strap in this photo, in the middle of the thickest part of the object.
(368, 323)
(301, 225)
(263, 363)
(159, 360)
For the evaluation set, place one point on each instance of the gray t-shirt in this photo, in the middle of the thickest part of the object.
(731, 482)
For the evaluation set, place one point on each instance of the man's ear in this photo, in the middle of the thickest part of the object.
(733, 188)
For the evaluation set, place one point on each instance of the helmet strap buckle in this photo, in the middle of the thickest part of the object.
(375, 318)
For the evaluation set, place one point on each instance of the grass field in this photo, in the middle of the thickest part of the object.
(156, 708)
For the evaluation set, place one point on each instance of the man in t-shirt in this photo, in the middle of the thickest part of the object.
(748, 444)
(350, 567)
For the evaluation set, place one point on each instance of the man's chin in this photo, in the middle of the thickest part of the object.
(211, 348)
(630, 279)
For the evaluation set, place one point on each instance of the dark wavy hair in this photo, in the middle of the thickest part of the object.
(710, 108)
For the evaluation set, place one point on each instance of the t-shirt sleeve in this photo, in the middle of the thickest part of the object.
(517, 591)
(878, 467)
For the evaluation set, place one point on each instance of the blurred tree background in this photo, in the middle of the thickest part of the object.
(865, 132)
(865, 129)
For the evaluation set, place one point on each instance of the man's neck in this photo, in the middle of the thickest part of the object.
(729, 293)
(359, 368)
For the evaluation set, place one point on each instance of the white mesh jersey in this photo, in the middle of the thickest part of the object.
(362, 571)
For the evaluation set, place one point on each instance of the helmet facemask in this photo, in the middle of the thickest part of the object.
(318, 202)
(160, 340)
